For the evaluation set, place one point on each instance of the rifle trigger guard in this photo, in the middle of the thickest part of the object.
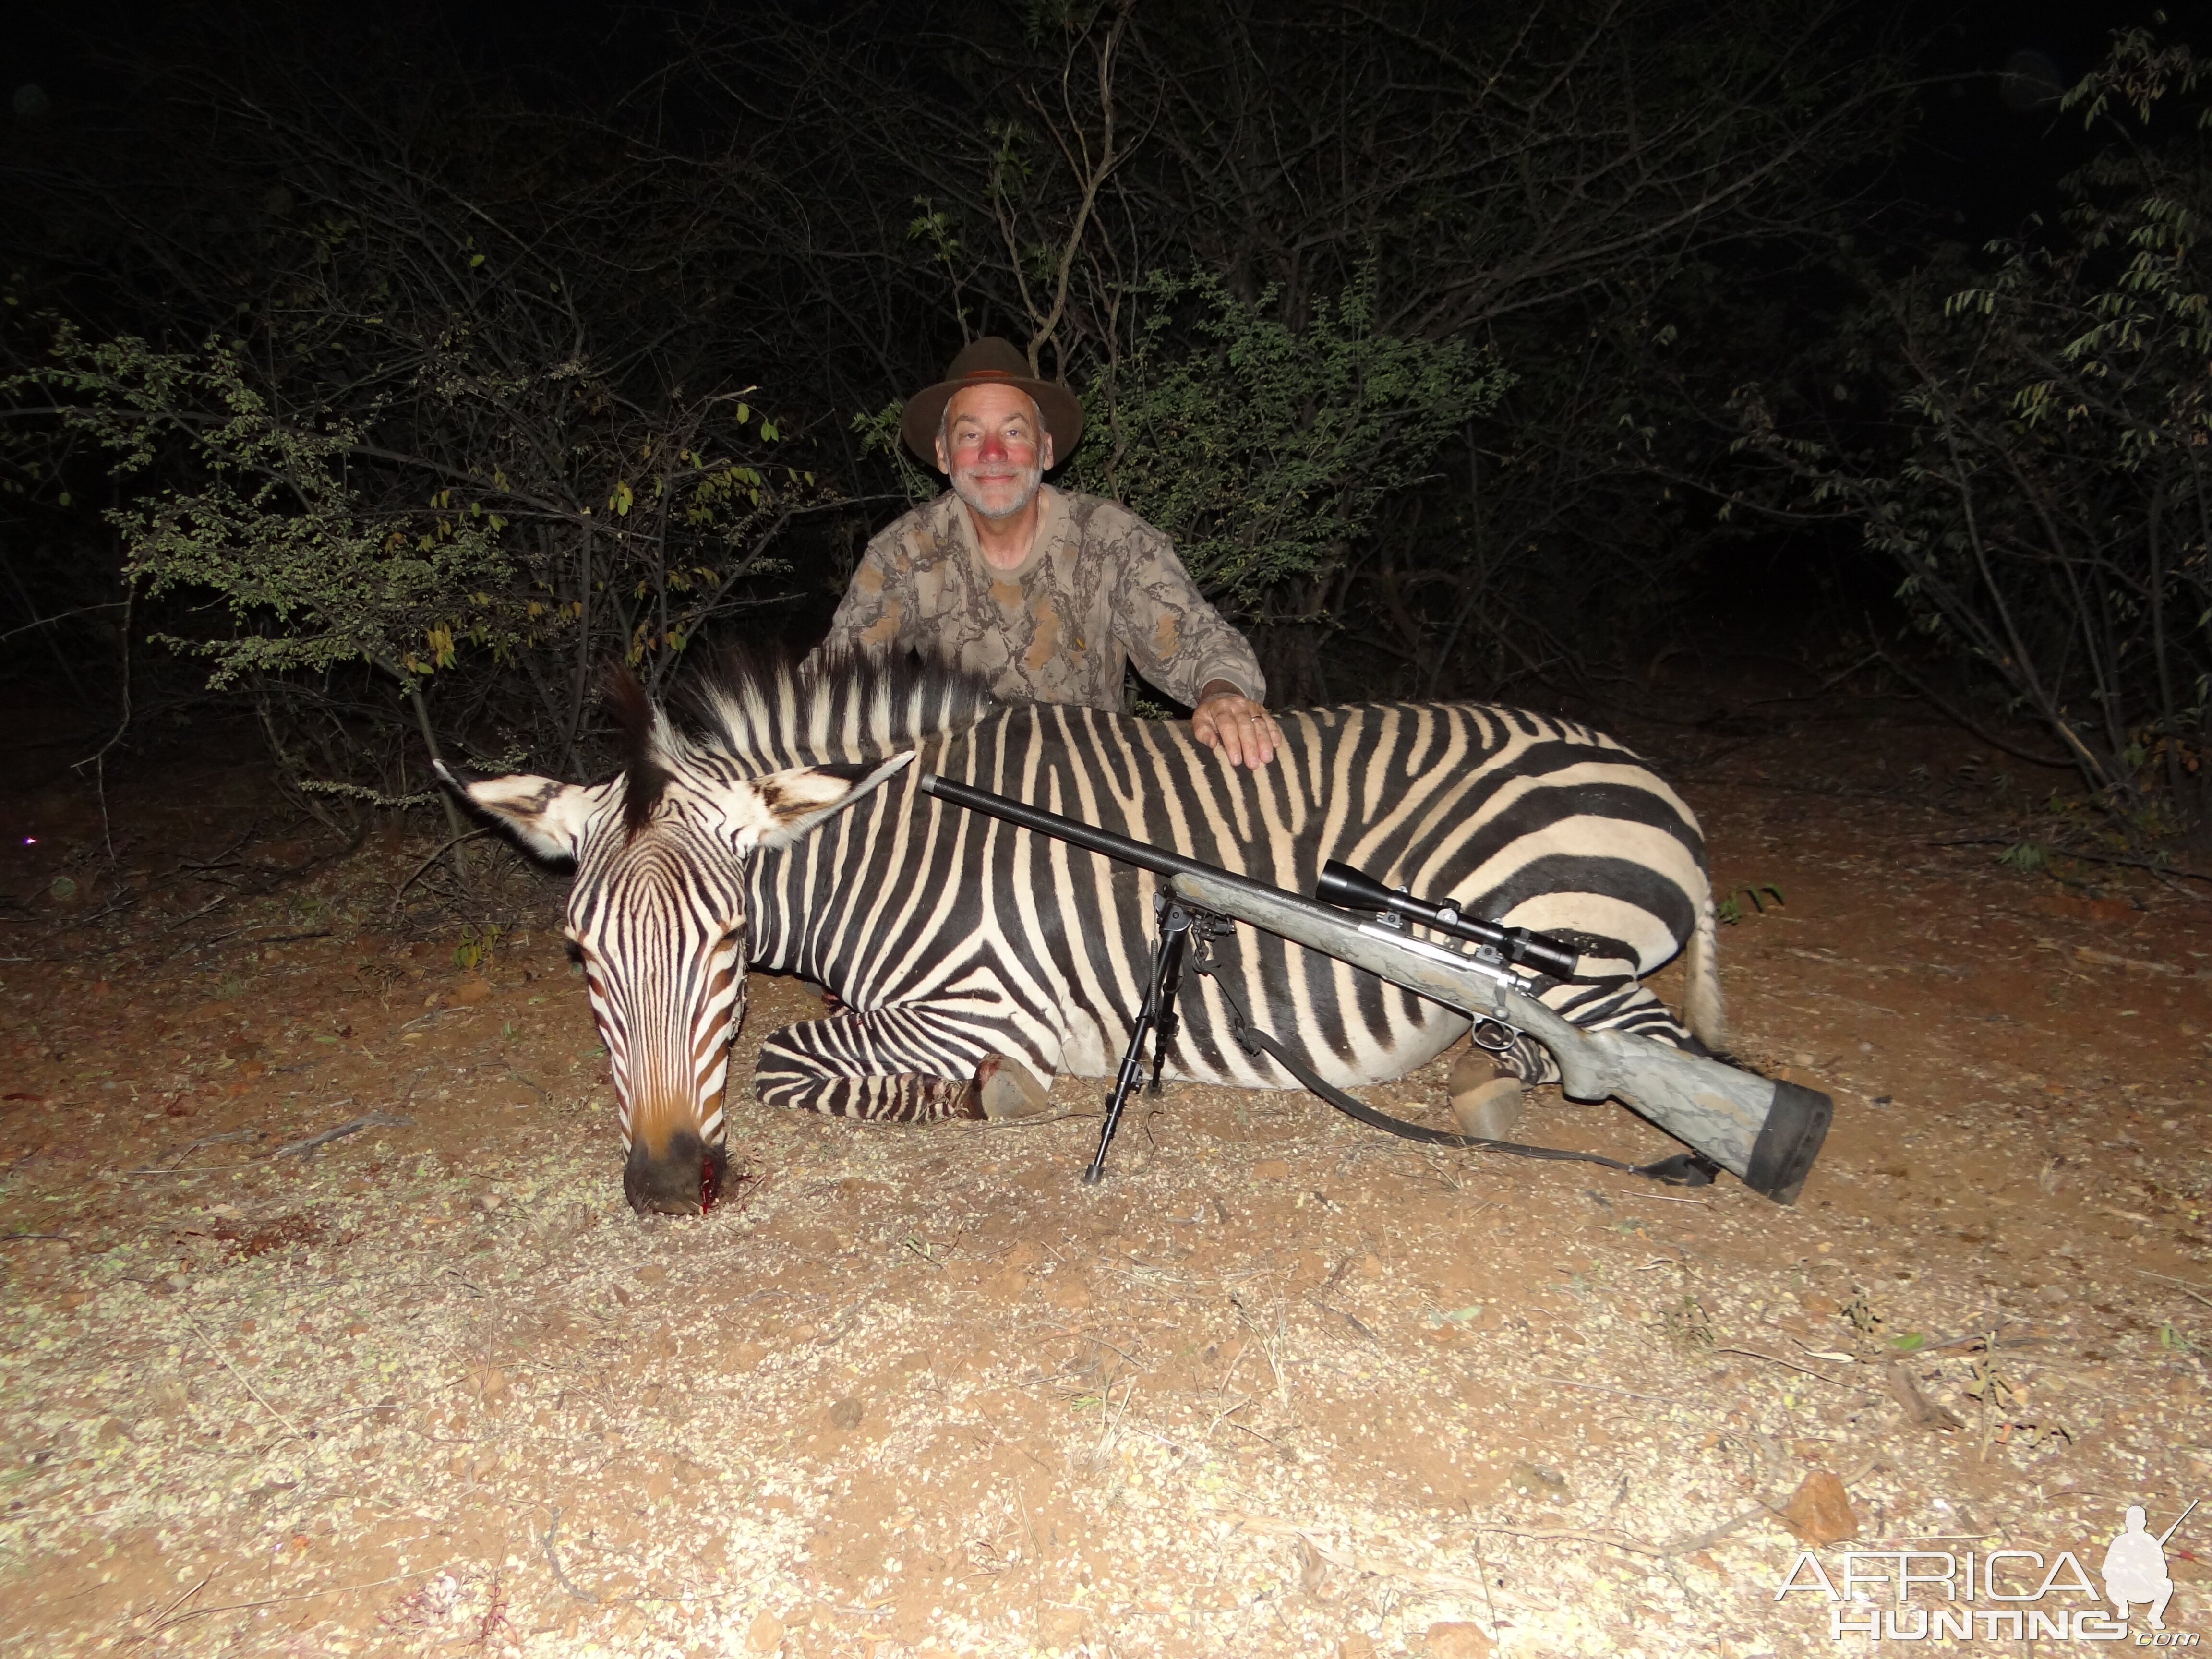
(1492, 1038)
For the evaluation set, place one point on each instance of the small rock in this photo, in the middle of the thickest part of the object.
(652, 1273)
(1272, 1169)
(489, 1201)
(471, 992)
(847, 1413)
(1819, 1511)
(1541, 1476)
(765, 1634)
(1457, 1640)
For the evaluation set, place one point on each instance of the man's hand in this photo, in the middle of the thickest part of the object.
(1234, 726)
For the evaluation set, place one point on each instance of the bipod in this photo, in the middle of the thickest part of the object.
(1155, 1018)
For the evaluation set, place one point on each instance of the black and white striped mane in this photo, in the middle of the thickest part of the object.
(754, 713)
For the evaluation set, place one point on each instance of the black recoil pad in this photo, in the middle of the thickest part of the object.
(1789, 1141)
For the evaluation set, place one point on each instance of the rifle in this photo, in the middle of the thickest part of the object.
(2177, 1520)
(1766, 1133)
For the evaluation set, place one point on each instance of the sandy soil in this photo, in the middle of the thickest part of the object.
(1281, 1386)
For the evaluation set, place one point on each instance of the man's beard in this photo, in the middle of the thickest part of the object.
(1025, 483)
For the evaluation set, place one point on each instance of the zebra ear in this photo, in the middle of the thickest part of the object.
(547, 816)
(794, 802)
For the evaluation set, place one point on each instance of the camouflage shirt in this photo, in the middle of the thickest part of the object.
(1100, 588)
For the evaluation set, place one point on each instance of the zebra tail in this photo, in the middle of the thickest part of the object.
(1701, 970)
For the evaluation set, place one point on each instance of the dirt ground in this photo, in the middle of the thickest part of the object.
(1281, 1385)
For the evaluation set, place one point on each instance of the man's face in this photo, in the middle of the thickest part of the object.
(995, 449)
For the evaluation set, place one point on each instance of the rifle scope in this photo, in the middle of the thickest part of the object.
(1355, 889)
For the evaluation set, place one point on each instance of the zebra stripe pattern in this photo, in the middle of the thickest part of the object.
(954, 939)
(976, 961)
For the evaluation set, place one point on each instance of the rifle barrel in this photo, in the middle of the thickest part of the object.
(2177, 1520)
(1142, 853)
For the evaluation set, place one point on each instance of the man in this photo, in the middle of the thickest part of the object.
(2134, 1569)
(1046, 593)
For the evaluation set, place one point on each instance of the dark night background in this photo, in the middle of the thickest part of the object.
(515, 256)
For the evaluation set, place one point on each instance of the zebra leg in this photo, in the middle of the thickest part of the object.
(893, 1065)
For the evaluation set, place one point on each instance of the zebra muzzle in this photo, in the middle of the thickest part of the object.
(684, 1177)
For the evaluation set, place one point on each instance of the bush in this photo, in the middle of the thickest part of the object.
(2045, 489)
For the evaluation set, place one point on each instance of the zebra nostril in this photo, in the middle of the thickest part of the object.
(683, 1180)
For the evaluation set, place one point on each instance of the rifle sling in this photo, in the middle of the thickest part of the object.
(1683, 1169)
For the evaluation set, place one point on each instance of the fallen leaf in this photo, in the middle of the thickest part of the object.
(1919, 1410)
(1819, 1511)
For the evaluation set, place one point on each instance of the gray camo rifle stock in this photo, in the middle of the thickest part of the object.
(1765, 1133)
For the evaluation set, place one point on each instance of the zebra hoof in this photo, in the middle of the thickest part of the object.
(1489, 1110)
(1008, 1089)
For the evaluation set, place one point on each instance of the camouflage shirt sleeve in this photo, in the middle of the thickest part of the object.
(877, 616)
(1177, 641)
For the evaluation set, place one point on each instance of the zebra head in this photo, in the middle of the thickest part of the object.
(657, 916)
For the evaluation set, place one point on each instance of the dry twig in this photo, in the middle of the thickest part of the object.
(351, 1127)
(1920, 1410)
(2181, 1285)
(553, 1560)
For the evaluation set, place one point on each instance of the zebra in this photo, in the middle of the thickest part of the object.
(973, 962)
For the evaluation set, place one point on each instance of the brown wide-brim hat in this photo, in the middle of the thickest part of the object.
(991, 361)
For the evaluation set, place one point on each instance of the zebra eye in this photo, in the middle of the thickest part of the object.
(575, 950)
